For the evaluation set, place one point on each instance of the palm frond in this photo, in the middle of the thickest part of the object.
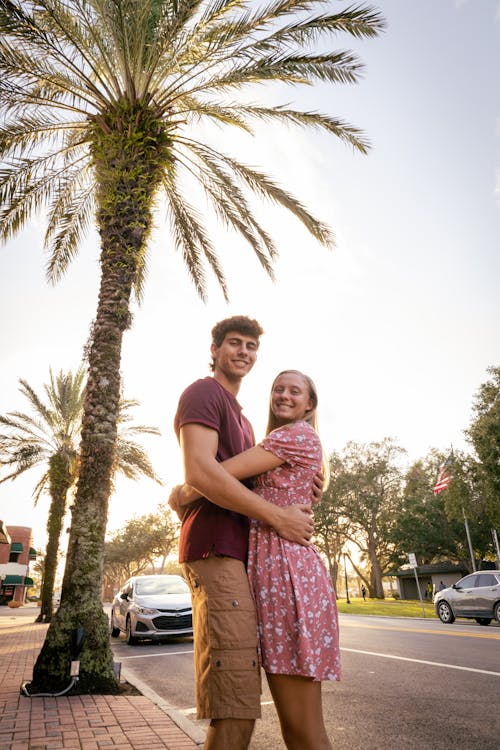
(132, 461)
(26, 457)
(68, 221)
(226, 115)
(26, 185)
(43, 485)
(192, 240)
(52, 34)
(27, 133)
(229, 201)
(358, 21)
(264, 186)
(339, 128)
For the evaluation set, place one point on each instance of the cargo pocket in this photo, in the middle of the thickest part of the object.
(236, 681)
(233, 623)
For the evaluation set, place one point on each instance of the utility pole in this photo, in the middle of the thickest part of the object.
(347, 600)
(471, 552)
(497, 548)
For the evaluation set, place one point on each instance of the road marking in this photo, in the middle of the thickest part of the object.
(147, 656)
(421, 661)
(459, 633)
(192, 710)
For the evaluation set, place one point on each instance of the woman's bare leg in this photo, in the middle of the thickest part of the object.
(300, 711)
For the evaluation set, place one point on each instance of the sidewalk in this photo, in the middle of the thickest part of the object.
(87, 722)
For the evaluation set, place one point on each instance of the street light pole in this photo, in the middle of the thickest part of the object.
(347, 600)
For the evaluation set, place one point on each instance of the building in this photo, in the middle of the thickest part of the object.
(430, 578)
(4, 534)
(16, 553)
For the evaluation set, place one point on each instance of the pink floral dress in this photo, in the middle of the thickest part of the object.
(294, 596)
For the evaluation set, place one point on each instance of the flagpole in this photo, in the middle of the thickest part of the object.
(473, 561)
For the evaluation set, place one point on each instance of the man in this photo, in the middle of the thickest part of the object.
(214, 537)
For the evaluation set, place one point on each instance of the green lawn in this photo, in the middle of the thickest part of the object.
(386, 607)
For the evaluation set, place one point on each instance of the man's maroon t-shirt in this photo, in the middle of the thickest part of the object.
(206, 528)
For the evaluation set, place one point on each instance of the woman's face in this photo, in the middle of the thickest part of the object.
(290, 398)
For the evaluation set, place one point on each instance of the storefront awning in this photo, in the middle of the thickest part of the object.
(32, 554)
(16, 547)
(13, 581)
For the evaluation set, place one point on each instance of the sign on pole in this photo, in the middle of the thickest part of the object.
(412, 559)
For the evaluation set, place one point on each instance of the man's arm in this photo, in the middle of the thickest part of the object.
(203, 472)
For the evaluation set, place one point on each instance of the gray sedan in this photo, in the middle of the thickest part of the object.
(155, 607)
(476, 596)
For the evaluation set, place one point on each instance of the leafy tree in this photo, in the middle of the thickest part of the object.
(484, 434)
(366, 487)
(37, 571)
(467, 499)
(423, 525)
(331, 530)
(100, 98)
(48, 437)
(140, 545)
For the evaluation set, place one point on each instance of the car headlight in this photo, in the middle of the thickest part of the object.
(145, 610)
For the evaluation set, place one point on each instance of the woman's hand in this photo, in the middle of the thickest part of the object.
(295, 523)
(317, 490)
(180, 497)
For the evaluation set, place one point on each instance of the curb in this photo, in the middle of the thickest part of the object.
(193, 731)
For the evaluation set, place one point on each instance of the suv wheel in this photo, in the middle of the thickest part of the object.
(131, 640)
(496, 611)
(483, 620)
(115, 632)
(445, 613)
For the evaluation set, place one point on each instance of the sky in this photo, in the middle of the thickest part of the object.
(397, 325)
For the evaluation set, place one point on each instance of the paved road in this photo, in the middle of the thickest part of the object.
(407, 684)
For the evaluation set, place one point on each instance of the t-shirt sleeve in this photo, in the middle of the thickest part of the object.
(297, 445)
(199, 404)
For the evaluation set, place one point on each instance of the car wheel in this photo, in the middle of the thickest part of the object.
(115, 632)
(445, 613)
(496, 611)
(483, 620)
(131, 640)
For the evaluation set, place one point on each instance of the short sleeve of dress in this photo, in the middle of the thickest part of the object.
(297, 444)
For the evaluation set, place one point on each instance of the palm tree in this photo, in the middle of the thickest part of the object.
(48, 437)
(101, 101)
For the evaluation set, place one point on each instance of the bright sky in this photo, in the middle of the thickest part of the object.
(397, 326)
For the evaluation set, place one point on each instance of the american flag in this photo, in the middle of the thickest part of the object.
(444, 477)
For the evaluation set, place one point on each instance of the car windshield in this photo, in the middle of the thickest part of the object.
(160, 586)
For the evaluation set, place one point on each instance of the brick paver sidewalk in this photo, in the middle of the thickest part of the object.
(89, 722)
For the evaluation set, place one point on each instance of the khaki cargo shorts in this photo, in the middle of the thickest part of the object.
(227, 670)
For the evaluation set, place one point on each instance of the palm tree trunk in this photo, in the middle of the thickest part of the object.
(128, 164)
(81, 590)
(60, 482)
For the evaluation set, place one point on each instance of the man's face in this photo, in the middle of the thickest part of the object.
(236, 356)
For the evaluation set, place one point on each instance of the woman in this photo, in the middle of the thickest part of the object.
(294, 596)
